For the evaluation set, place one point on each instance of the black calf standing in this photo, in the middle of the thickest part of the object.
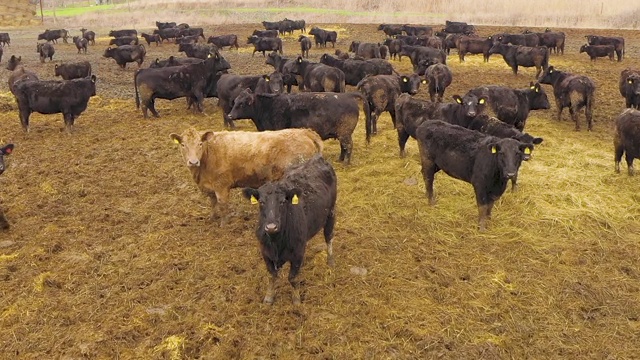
(292, 211)
(626, 139)
(572, 91)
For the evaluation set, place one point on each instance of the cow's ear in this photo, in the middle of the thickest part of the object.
(251, 194)
(93, 78)
(457, 98)
(56, 66)
(494, 148)
(157, 60)
(550, 69)
(7, 149)
(176, 138)
(404, 78)
(630, 80)
(208, 135)
(293, 196)
(109, 48)
(537, 141)
(266, 78)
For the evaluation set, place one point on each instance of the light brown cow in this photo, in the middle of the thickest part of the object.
(224, 160)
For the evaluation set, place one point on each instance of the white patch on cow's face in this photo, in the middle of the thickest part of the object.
(335, 96)
(470, 103)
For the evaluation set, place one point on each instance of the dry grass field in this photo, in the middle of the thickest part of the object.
(111, 254)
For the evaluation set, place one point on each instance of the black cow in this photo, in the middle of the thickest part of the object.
(76, 70)
(6, 151)
(230, 86)
(190, 31)
(124, 32)
(331, 115)
(365, 50)
(318, 77)
(630, 87)
(616, 41)
(486, 162)
(13, 62)
(126, 53)
(200, 51)
(343, 55)
(165, 25)
(284, 66)
(192, 81)
(456, 27)
(81, 43)
(529, 39)
(19, 75)
(224, 40)
(292, 212)
(420, 53)
(187, 39)
(45, 50)
(356, 70)
(439, 77)
(271, 25)
(394, 46)
(381, 92)
(512, 106)
(69, 97)
(265, 33)
(5, 39)
(626, 139)
(174, 61)
(305, 45)
(525, 56)
(54, 35)
(417, 30)
(124, 40)
(596, 51)
(265, 44)
(167, 34)
(323, 36)
(391, 29)
(572, 91)
(554, 40)
(149, 38)
(89, 35)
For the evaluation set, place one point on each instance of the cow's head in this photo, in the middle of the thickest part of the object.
(548, 76)
(538, 99)
(354, 46)
(275, 200)
(472, 105)
(108, 52)
(528, 139)
(243, 105)
(509, 154)
(14, 62)
(274, 82)
(410, 84)
(192, 145)
(5, 150)
(632, 83)
(583, 48)
(498, 47)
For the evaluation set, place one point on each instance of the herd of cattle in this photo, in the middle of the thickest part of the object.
(281, 165)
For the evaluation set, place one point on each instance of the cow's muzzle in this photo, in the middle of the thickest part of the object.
(271, 228)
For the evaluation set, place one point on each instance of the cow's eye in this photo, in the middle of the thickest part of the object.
(199, 144)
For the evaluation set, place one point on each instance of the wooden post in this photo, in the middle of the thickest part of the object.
(41, 13)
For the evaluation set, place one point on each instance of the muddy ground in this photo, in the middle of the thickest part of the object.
(111, 253)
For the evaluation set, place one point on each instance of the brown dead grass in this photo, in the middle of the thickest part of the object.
(110, 255)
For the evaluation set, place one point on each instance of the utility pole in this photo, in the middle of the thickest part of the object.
(41, 14)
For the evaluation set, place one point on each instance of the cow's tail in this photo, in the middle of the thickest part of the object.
(135, 86)
(366, 108)
(545, 60)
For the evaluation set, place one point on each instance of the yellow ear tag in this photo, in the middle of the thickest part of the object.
(266, 79)
(405, 79)
(527, 151)
(537, 89)
(294, 200)
(493, 150)
(533, 87)
(630, 81)
(176, 141)
(424, 81)
(459, 101)
(481, 101)
(253, 200)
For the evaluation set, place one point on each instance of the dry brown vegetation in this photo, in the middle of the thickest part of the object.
(110, 254)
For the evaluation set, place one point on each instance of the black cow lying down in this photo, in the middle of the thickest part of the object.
(69, 97)
(486, 162)
(292, 212)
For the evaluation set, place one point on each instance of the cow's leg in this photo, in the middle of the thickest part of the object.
(429, 169)
(151, 105)
(617, 157)
(559, 109)
(588, 113)
(68, 121)
(293, 274)
(328, 236)
(403, 136)
(24, 119)
(573, 111)
(629, 159)
(4, 224)
(271, 287)
(346, 147)
(484, 213)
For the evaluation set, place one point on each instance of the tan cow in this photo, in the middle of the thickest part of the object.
(224, 160)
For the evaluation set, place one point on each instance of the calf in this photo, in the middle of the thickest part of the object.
(512, 106)
(319, 77)
(13, 62)
(381, 92)
(265, 33)
(572, 91)
(305, 45)
(439, 77)
(365, 50)
(70, 71)
(81, 44)
(356, 70)
(322, 37)
(292, 211)
(19, 75)
(596, 51)
(284, 66)
(331, 115)
(125, 54)
(394, 46)
(69, 97)
(5, 39)
(45, 50)
(197, 50)
(150, 38)
(626, 139)
(630, 87)
(230, 86)
(265, 44)
(124, 40)
(89, 35)
(486, 162)
(523, 56)
(390, 29)
(616, 41)
(224, 160)
(224, 40)
(6, 151)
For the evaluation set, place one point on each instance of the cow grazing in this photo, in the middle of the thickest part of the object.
(6, 151)
(292, 211)
(417, 30)
(318, 77)
(381, 92)
(124, 32)
(230, 86)
(356, 70)
(486, 162)
(45, 50)
(439, 77)
(89, 35)
(200, 51)
(423, 53)
(331, 115)
(322, 37)
(596, 51)
(365, 50)
(626, 139)
(305, 45)
(81, 43)
(630, 87)
(13, 62)
(192, 81)
(151, 38)
(174, 61)
(474, 45)
(69, 97)
(125, 54)
(19, 75)
(167, 34)
(572, 91)
(124, 40)
(265, 33)
(512, 106)
(616, 41)
(70, 71)
(265, 44)
(224, 40)
(283, 66)
(220, 161)
(5, 39)
(390, 29)
(517, 55)
(54, 35)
